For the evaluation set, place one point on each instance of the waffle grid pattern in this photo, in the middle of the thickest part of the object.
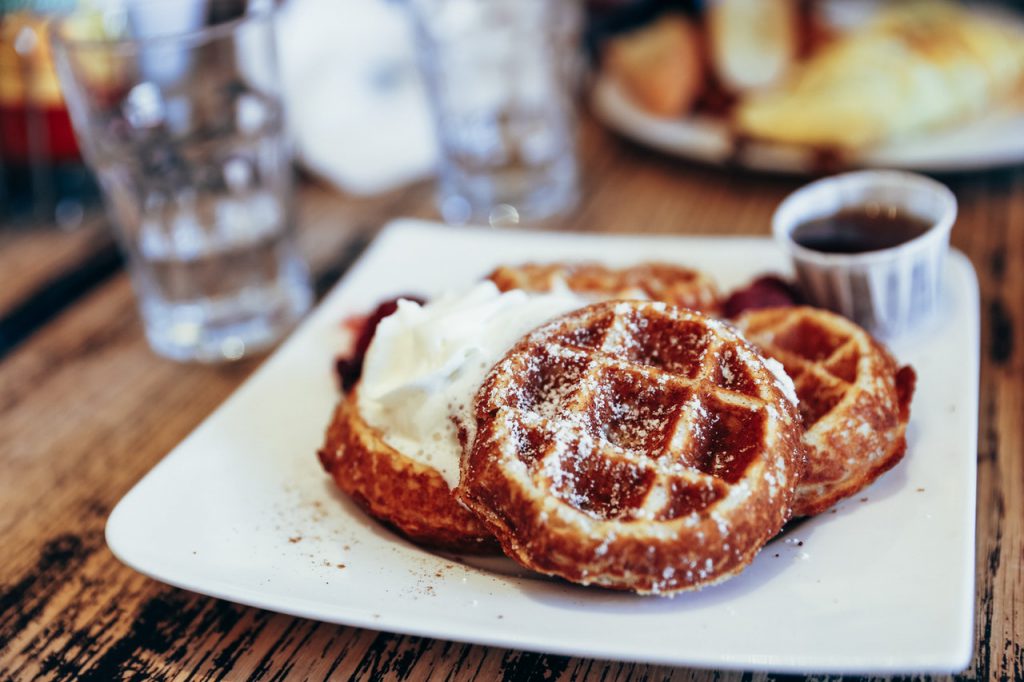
(822, 361)
(673, 413)
(854, 399)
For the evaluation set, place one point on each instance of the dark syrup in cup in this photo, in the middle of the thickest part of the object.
(870, 245)
(860, 229)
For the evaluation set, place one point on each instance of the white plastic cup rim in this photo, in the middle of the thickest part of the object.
(797, 208)
(889, 291)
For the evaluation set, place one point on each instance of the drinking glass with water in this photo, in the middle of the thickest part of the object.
(177, 107)
(501, 78)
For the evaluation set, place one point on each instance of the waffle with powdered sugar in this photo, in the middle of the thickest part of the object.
(633, 445)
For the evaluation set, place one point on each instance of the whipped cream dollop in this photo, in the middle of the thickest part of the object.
(426, 363)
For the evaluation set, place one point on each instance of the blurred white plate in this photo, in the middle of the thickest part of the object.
(242, 511)
(993, 141)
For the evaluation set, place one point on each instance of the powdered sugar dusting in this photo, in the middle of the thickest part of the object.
(614, 416)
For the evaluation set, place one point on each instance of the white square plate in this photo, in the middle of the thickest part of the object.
(242, 511)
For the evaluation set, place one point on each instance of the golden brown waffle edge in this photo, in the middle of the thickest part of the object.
(673, 284)
(854, 399)
(410, 497)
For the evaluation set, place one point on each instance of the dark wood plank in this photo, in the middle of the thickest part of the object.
(989, 231)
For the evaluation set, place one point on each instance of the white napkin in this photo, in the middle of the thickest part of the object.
(357, 108)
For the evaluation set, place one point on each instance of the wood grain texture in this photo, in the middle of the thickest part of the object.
(31, 257)
(86, 410)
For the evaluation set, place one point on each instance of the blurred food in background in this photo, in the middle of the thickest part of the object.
(913, 68)
(753, 43)
(827, 74)
(660, 65)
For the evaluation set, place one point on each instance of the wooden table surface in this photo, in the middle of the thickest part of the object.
(86, 409)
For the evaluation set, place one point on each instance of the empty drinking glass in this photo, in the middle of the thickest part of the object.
(501, 78)
(177, 108)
